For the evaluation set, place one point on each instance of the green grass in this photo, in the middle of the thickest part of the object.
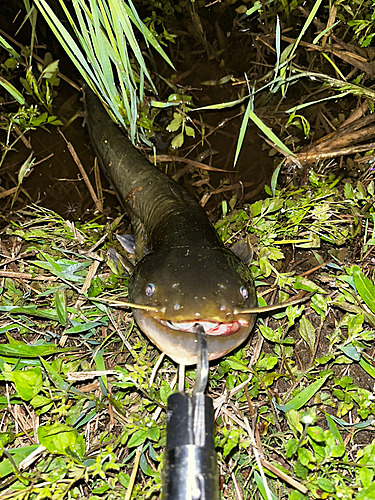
(300, 389)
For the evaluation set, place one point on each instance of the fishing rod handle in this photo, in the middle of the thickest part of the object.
(190, 467)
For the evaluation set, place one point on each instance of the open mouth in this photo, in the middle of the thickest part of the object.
(210, 327)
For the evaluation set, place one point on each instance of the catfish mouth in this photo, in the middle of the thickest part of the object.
(210, 327)
(179, 340)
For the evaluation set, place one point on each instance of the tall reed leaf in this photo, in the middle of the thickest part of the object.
(103, 46)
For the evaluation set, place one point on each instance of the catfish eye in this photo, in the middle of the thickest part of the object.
(149, 290)
(244, 293)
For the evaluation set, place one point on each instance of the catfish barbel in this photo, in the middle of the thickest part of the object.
(184, 273)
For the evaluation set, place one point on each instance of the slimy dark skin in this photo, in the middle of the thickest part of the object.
(187, 272)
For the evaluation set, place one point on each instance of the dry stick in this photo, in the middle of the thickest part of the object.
(298, 486)
(83, 172)
(307, 157)
(22, 137)
(238, 492)
(8, 192)
(81, 376)
(24, 255)
(257, 458)
(98, 183)
(26, 462)
(350, 57)
(310, 271)
(343, 138)
(330, 22)
(193, 163)
(26, 276)
(134, 473)
(121, 335)
(358, 113)
(345, 130)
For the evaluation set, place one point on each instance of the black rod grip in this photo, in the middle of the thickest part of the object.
(190, 466)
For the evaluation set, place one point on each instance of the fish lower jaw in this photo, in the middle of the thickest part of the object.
(181, 346)
(210, 327)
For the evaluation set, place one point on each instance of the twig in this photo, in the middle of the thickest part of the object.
(193, 163)
(83, 173)
(26, 276)
(298, 486)
(134, 473)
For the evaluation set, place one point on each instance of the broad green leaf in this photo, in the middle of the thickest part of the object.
(189, 131)
(304, 396)
(369, 368)
(137, 438)
(32, 311)
(18, 454)
(267, 362)
(305, 456)
(28, 382)
(146, 469)
(309, 286)
(319, 303)
(307, 332)
(316, 433)
(300, 470)
(365, 288)
(175, 123)
(153, 433)
(30, 351)
(50, 70)
(269, 334)
(366, 476)
(83, 327)
(62, 440)
(291, 447)
(366, 493)
(350, 351)
(235, 364)
(326, 485)
(265, 266)
(165, 391)
(177, 141)
(60, 304)
(40, 401)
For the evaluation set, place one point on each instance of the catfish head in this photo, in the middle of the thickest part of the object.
(187, 285)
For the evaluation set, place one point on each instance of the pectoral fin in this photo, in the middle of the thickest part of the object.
(243, 250)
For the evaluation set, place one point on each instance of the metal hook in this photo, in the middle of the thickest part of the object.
(202, 361)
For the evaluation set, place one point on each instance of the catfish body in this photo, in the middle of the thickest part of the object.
(186, 272)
